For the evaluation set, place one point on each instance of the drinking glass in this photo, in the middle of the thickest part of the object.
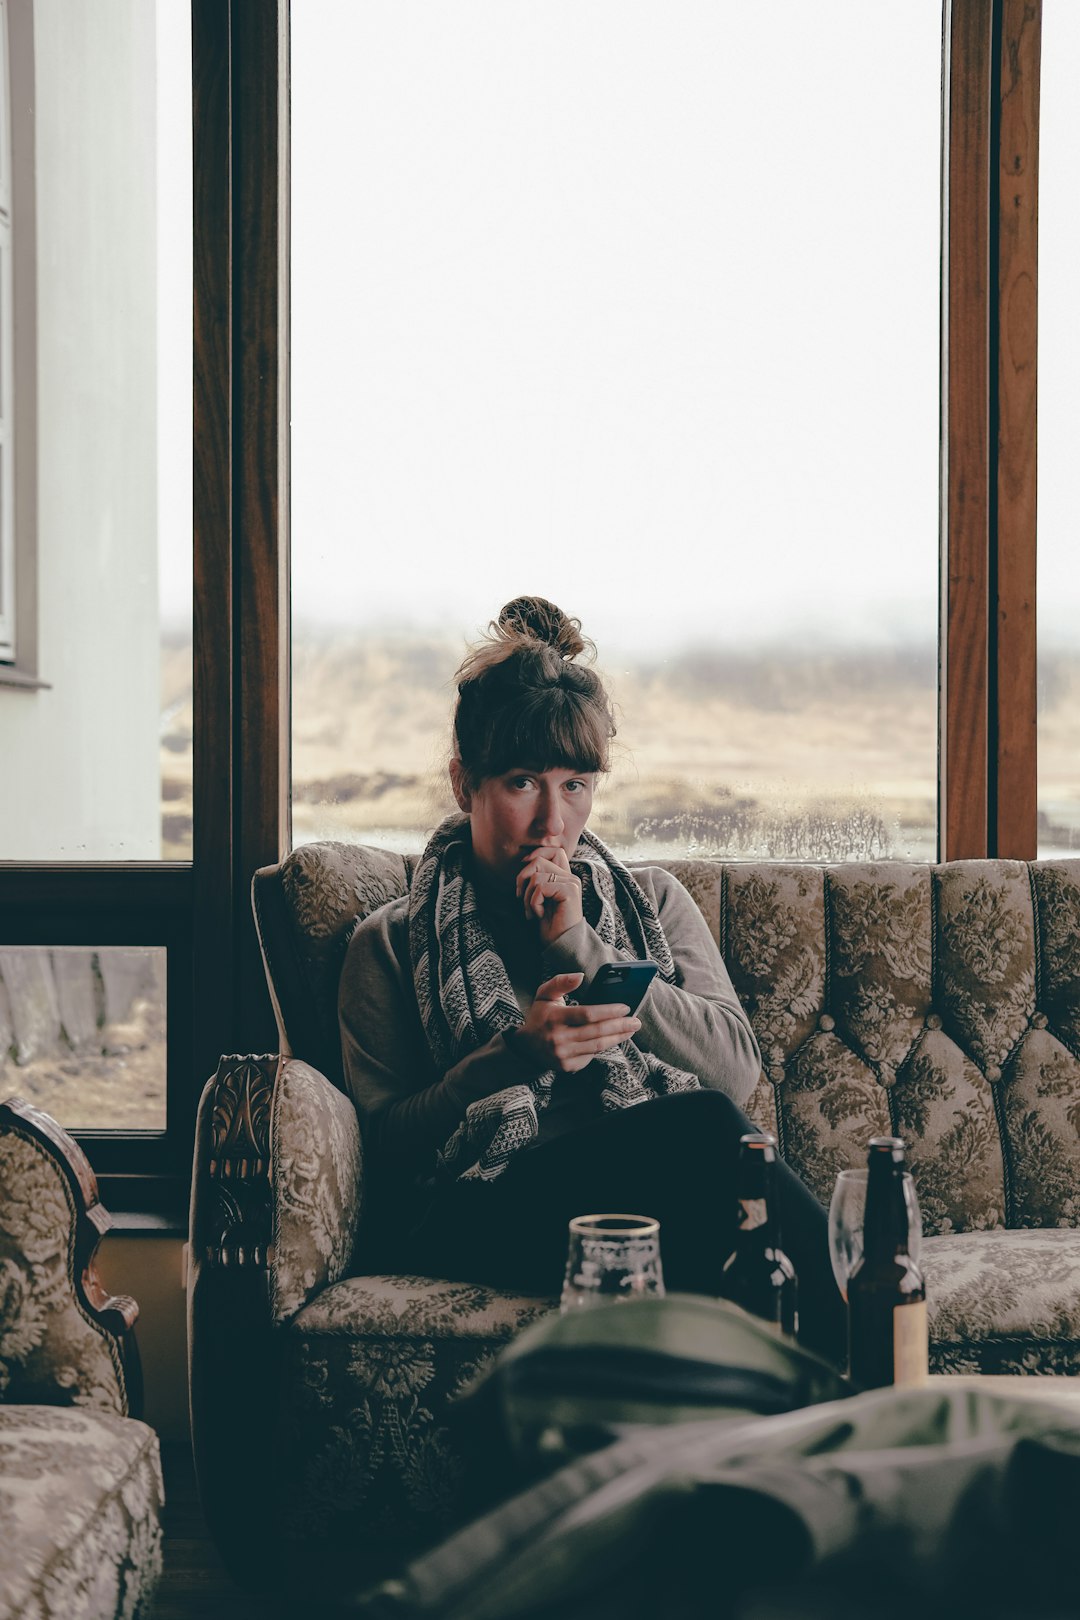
(846, 1223)
(611, 1257)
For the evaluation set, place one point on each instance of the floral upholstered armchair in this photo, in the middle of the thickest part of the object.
(939, 1003)
(80, 1478)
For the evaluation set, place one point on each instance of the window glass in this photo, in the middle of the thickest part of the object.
(1058, 602)
(7, 505)
(95, 699)
(633, 305)
(82, 1033)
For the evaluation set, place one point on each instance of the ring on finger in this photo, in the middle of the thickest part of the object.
(552, 877)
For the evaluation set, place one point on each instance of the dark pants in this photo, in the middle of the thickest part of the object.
(673, 1158)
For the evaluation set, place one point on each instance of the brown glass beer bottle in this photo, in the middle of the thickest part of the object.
(757, 1273)
(887, 1328)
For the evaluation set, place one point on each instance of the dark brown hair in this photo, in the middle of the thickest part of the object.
(524, 699)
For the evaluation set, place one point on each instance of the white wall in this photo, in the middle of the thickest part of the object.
(80, 760)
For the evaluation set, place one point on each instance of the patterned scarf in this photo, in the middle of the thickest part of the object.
(465, 996)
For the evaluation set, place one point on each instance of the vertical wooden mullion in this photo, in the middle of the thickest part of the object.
(260, 474)
(1013, 765)
(966, 444)
(213, 731)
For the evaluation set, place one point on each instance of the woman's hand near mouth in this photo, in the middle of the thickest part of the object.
(549, 891)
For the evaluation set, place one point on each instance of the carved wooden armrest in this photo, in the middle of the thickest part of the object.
(85, 1346)
(277, 1176)
(234, 1200)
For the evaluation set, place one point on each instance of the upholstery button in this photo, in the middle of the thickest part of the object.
(776, 1073)
(1039, 1020)
(993, 1074)
(933, 1020)
(826, 1022)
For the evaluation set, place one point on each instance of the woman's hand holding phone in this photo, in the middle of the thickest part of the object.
(566, 1039)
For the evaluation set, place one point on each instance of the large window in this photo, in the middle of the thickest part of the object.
(433, 331)
(1059, 434)
(621, 304)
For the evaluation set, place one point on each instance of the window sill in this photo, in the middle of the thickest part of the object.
(19, 681)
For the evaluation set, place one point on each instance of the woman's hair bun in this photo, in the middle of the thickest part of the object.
(524, 699)
(536, 619)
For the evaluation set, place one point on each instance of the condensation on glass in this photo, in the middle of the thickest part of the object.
(95, 681)
(82, 1033)
(1058, 601)
(616, 302)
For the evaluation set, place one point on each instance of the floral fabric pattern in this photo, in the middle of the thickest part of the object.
(881, 959)
(80, 1497)
(50, 1351)
(1057, 896)
(369, 1468)
(1042, 1108)
(316, 1165)
(327, 887)
(1004, 1302)
(704, 881)
(944, 1110)
(940, 1003)
(774, 931)
(986, 956)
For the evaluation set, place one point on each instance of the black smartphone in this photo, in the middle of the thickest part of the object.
(617, 982)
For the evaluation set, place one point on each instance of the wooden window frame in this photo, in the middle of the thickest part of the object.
(199, 910)
(987, 728)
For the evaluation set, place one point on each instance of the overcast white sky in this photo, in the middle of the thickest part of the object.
(635, 303)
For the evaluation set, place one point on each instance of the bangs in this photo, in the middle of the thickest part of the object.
(556, 730)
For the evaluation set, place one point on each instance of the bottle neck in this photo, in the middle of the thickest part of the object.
(885, 1224)
(757, 1222)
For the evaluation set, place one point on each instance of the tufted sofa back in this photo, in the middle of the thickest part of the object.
(939, 1003)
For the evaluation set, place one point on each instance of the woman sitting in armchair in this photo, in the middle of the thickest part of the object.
(493, 1105)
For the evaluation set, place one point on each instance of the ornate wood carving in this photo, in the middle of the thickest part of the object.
(239, 1210)
(114, 1313)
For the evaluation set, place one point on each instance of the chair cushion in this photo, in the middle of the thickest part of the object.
(80, 1497)
(1004, 1302)
(316, 1155)
(371, 1365)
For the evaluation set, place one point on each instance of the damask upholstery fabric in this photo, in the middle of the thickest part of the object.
(316, 1167)
(50, 1350)
(80, 1495)
(941, 1004)
(327, 888)
(1004, 1302)
(372, 1363)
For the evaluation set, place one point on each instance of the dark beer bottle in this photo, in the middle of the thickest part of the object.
(887, 1329)
(757, 1273)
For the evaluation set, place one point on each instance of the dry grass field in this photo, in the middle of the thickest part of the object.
(781, 754)
(785, 755)
(798, 758)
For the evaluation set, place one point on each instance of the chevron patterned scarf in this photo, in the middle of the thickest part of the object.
(465, 995)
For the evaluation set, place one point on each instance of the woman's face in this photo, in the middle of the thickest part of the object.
(522, 811)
